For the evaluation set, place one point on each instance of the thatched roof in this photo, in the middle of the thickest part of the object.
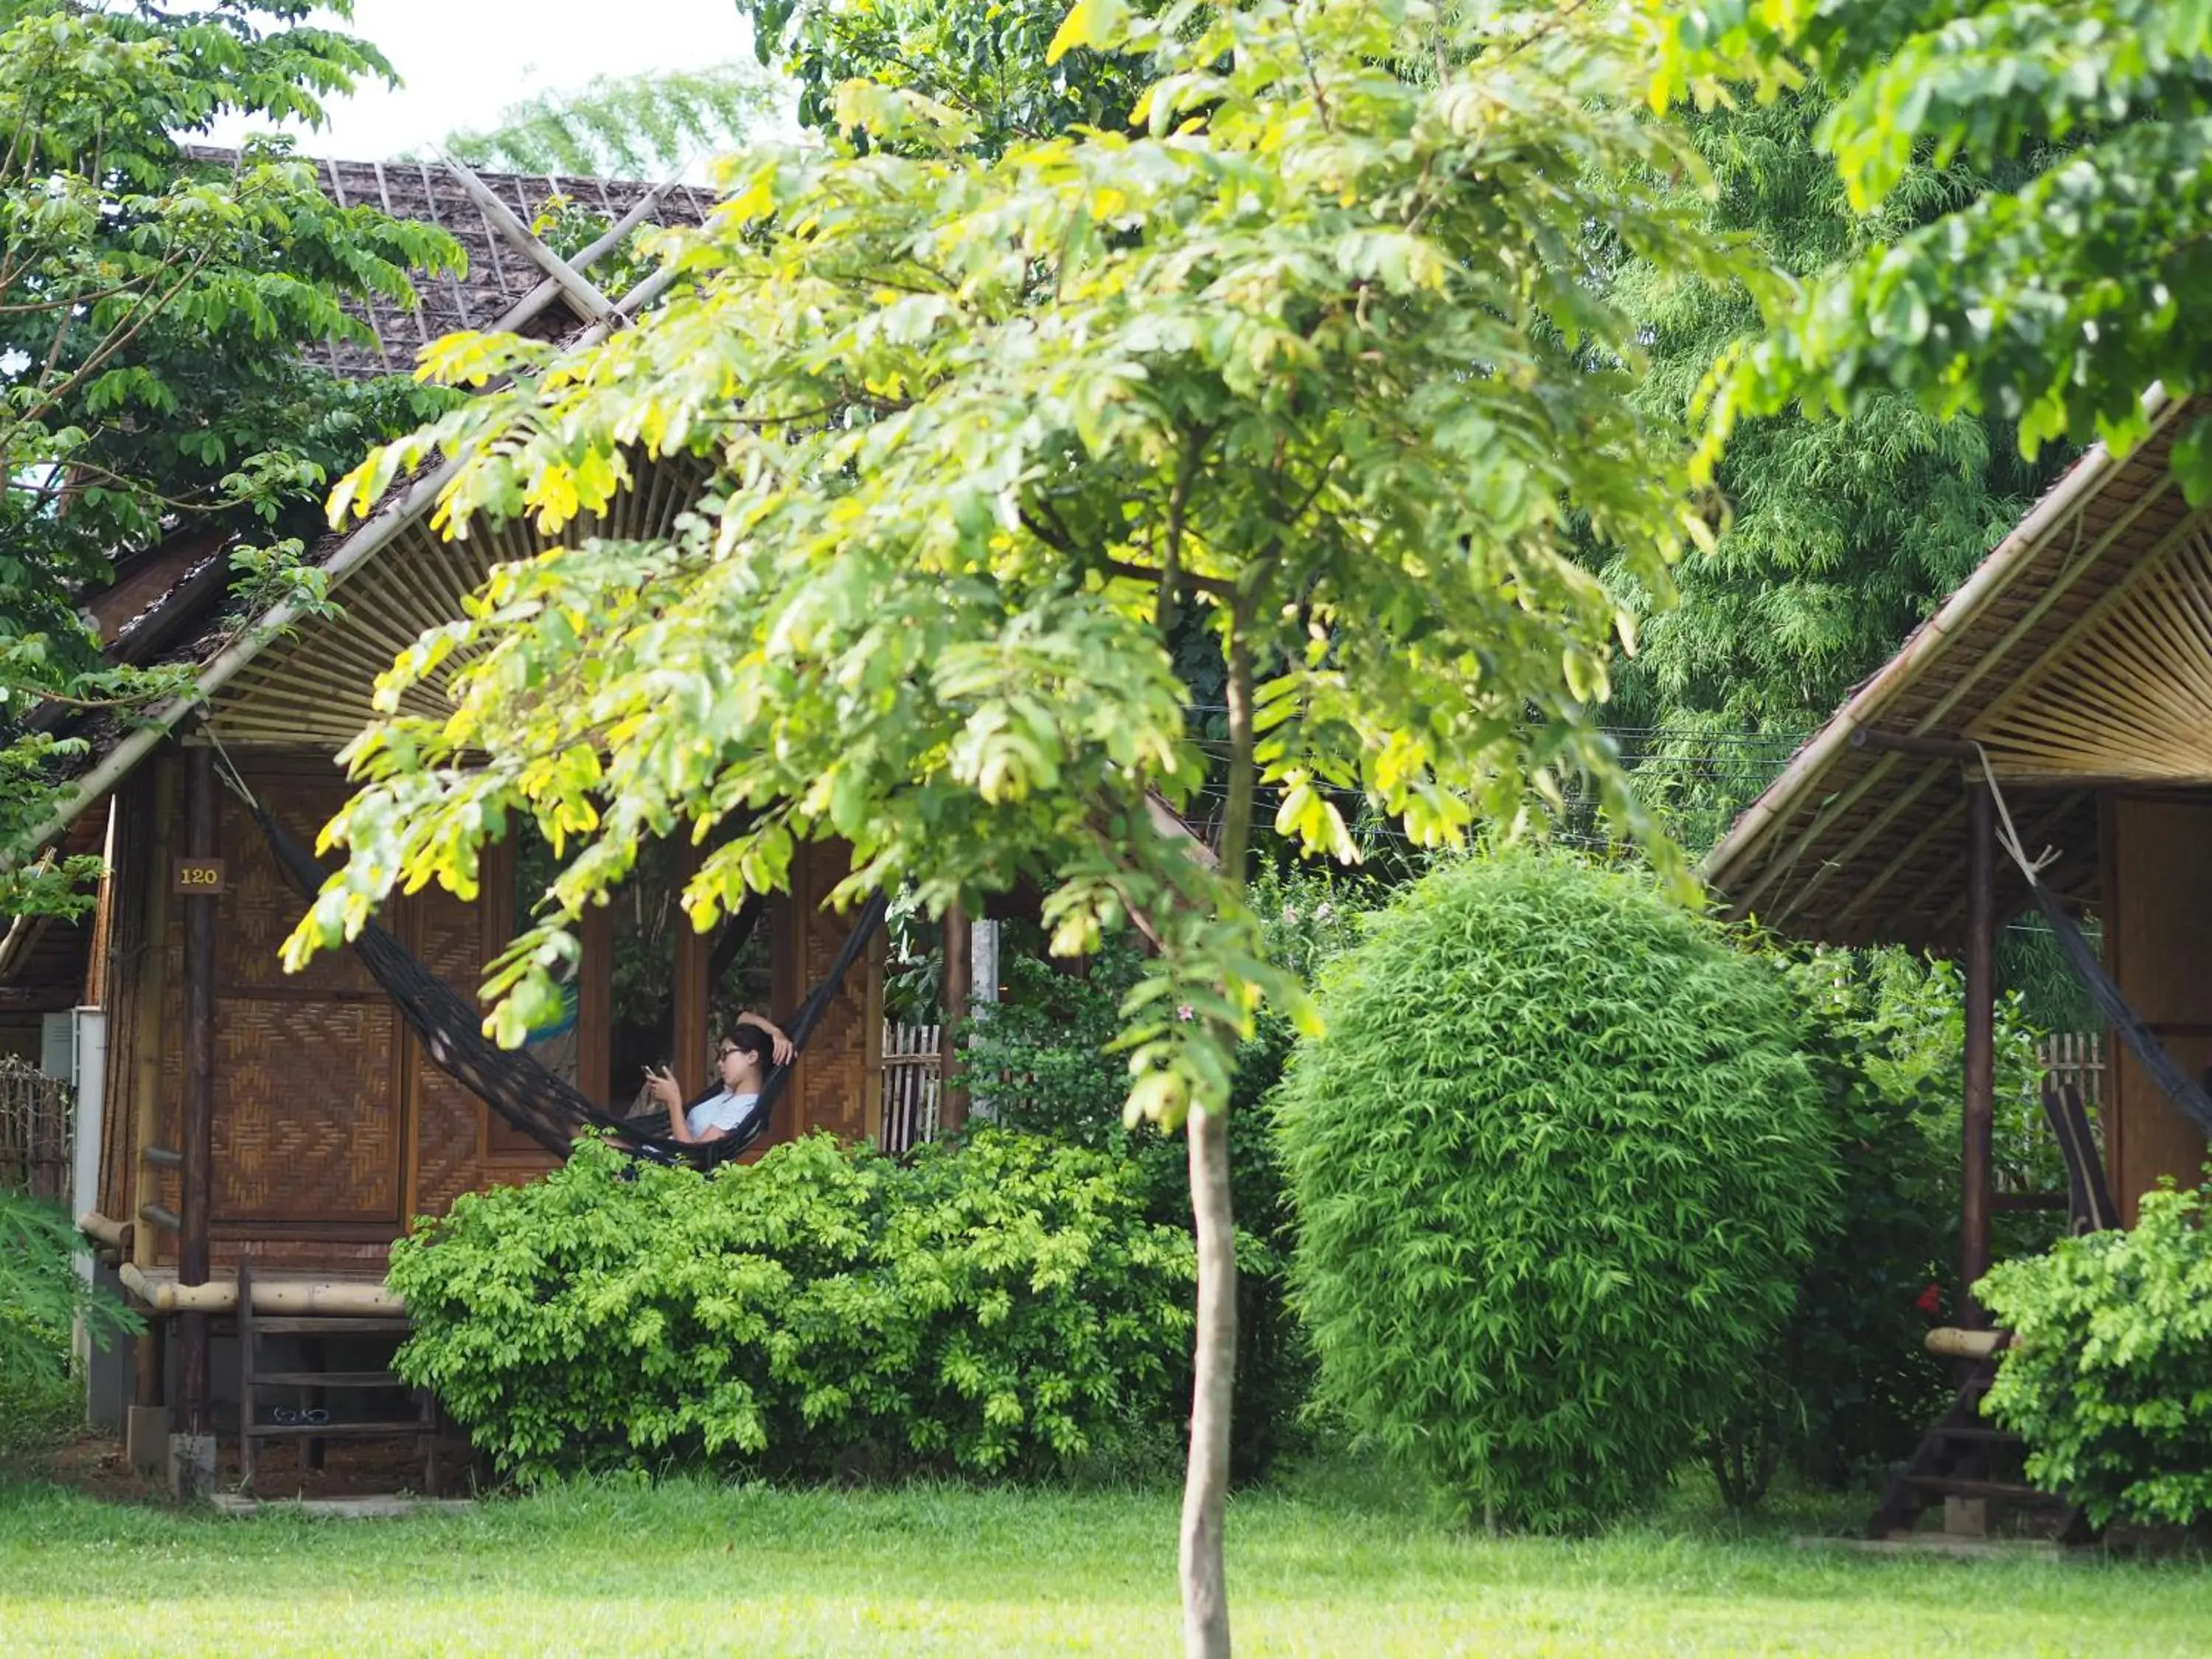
(501, 276)
(165, 603)
(2079, 655)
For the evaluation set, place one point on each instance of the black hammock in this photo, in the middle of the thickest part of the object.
(546, 1108)
(2176, 1084)
(2189, 1098)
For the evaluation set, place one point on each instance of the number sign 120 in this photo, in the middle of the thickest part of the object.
(198, 878)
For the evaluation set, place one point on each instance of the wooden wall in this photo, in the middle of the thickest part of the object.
(837, 1084)
(332, 1128)
(2158, 942)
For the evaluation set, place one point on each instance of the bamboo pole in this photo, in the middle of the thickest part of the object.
(1953, 1343)
(1981, 1052)
(594, 305)
(1914, 743)
(153, 986)
(105, 1230)
(951, 1097)
(197, 1186)
(338, 1297)
(541, 296)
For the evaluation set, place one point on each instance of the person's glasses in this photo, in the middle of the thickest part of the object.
(726, 1050)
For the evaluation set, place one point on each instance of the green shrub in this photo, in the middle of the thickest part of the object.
(1000, 1309)
(1847, 1386)
(1043, 1053)
(2110, 1380)
(1043, 1050)
(1037, 1062)
(1556, 1164)
(42, 1299)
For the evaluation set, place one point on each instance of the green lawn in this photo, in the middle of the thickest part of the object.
(691, 1568)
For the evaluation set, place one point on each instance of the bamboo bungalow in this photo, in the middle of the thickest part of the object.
(2055, 713)
(227, 1108)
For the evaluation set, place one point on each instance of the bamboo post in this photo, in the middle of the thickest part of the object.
(872, 1056)
(595, 933)
(959, 941)
(1981, 1053)
(147, 1392)
(198, 1138)
(691, 1036)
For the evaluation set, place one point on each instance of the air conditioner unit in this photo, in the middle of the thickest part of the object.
(58, 1046)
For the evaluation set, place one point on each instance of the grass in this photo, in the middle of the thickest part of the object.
(691, 1568)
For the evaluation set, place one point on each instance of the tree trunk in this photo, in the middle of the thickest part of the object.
(1205, 1480)
(1205, 1483)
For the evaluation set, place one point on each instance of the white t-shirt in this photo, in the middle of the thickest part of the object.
(718, 1114)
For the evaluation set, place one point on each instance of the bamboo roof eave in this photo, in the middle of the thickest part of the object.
(2078, 655)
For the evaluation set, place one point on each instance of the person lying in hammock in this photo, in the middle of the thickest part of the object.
(742, 1066)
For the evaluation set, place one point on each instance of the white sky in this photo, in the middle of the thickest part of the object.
(463, 61)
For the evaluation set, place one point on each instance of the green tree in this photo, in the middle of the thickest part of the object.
(2052, 304)
(626, 125)
(985, 62)
(1845, 534)
(153, 313)
(1312, 359)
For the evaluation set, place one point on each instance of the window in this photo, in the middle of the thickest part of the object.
(647, 991)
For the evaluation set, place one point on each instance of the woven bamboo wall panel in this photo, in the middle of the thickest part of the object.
(447, 939)
(259, 907)
(2161, 949)
(307, 1124)
(2127, 693)
(837, 1056)
(450, 1134)
(307, 1121)
(315, 1255)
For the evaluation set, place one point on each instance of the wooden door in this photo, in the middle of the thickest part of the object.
(2158, 942)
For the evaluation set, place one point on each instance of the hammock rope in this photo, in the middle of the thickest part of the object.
(546, 1107)
(2176, 1084)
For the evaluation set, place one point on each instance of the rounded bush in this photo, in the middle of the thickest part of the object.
(1556, 1164)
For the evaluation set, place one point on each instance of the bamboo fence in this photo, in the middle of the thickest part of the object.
(913, 1069)
(34, 1130)
(2078, 1058)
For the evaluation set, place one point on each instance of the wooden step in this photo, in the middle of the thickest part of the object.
(1954, 1487)
(1981, 1433)
(335, 1431)
(339, 1325)
(327, 1380)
